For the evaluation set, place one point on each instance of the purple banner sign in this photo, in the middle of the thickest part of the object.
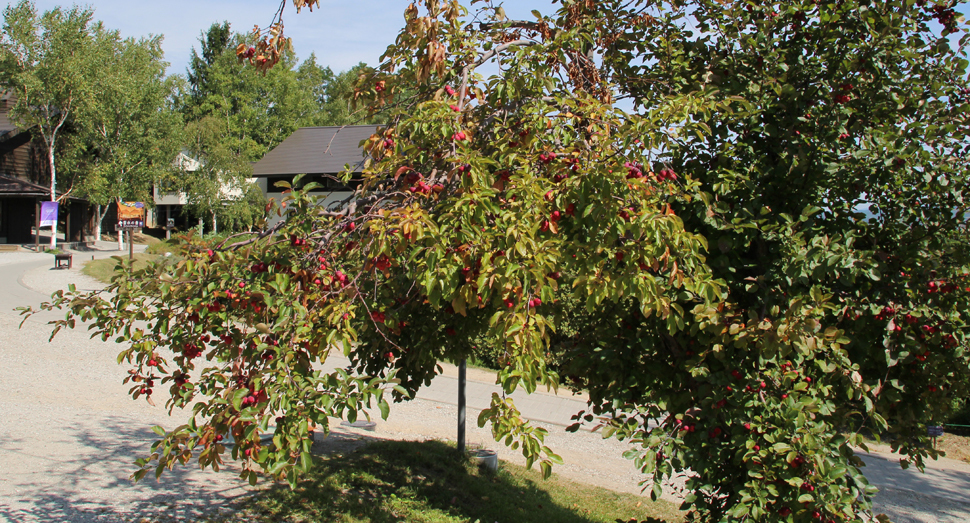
(48, 214)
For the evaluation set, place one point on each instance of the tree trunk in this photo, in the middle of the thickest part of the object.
(121, 234)
(98, 217)
(50, 159)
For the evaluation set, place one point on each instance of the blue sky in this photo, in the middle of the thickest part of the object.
(342, 33)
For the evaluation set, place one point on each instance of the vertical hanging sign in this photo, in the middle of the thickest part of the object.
(48, 214)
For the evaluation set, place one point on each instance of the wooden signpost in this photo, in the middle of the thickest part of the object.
(131, 217)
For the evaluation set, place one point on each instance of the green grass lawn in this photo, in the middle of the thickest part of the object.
(395, 481)
(104, 269)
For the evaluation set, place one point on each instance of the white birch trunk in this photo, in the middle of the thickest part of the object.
(98, 218)
(50, 158)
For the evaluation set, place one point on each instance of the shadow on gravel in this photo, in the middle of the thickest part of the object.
(946, 484)
(94, 485)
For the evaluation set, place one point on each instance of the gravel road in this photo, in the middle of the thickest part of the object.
(69, 433)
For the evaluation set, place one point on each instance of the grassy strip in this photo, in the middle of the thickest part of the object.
(104, 269)
(399, 481)
(956, 447)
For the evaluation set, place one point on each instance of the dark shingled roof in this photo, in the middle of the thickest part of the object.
(316, 150)
(10, 186)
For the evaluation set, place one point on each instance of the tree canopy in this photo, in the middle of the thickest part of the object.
(40, 63)
(235, 114)
(740, 226)
(126, 139)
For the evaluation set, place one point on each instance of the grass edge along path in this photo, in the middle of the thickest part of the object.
(424, 482)
(103, 269)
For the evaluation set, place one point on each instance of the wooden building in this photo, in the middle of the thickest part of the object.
(25, 182)
(321, 153)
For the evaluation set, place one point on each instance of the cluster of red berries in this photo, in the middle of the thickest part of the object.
(460, 136)
(382, 262)
(945, 16)
(940, 287)
(634, 170)
(842, 96)
(887, 312)
(191, 351)
(666, 174)
(423, 188)
(547, 158)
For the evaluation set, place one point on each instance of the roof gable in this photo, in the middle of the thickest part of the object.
(15, 186)
(316, 150)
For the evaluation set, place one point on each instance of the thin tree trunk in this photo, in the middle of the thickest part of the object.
(98, 218)
(121, 234)
(50, 158)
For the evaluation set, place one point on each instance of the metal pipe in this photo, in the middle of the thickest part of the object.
(461, 405)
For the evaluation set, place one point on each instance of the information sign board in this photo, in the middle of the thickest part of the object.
(131, 215)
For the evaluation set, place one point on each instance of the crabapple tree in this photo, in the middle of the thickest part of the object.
(739, 225)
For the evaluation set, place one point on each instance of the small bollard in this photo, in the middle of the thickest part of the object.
(485, 458)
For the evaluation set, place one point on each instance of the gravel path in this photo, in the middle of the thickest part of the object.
(69, 433)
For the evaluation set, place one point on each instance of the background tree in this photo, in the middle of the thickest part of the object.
(129, 135)
(257, 110)
(738, 318)
(212, 44)
(45, 61)
(219, 188)
(335, 94)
